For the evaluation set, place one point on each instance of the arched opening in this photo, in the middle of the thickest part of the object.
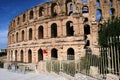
(24, 17)
(98, 14)
(21, 56)
(70, 54)
(29, 56)
(112, 11)
(40, 55)
(11, 56)
(85, 9)
(23, 33)
(30, 34)
(40, 32)
(12, 38)
(18, 20)
(69, 28)
(86, 29)
(54, 8)
(111, 3)
(54, 30)
(85, 19)
(69, 7)
(54, 54)
(84, 1)
(17, 37)
(15, 55)
(41, 11)
(98, 3)
(31, 14)
(70, 13)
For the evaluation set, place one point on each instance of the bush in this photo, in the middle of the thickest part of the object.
(1, 64)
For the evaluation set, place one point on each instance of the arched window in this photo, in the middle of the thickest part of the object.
(29, 56)
(111, 3)
(15, 55)
(54, 9)
(40, 32)
(71, 13)
(21, 56)
(71, 7)
(12, 38)
(24, 17)
(31, 14)
(85, 9)
(17, 37)
(41, 11)
(40, 54)
(53, 30)
(18, 20)
(86, 29)
(98, 3)
(98, 14)
(70, 54)
(69, 28)
(23, 33)
(54, 54)
(112, 11)
(30, 34)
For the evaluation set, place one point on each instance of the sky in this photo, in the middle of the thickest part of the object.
(9, 9)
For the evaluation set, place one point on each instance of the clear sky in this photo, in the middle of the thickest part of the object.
(8, 10)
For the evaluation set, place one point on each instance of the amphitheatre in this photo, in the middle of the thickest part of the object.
(58, 30)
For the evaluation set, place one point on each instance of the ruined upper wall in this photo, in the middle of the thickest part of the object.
(56, 8)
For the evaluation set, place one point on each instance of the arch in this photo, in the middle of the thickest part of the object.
(40, 32)
(112, 11)
(69, 6)
(70, 54)
(70, 13)
(69, 28)
(54, 54)
(29, 56)
(11, 56)
(41, 11)
(40, 54)
(23, 35)
(54, 9)
(21, 56)
(86, 29)
(85, 9)
(12, 38)
(24, 17)
(111, 3)
(18, 20)
(84, 1)
(98, 14)
(85, 19)
(15, 55)
(31, 14)
(54, 30)
(17, 37)
(30, 34)
(98, 3)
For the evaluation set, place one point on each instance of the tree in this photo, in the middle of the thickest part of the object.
(111, 28)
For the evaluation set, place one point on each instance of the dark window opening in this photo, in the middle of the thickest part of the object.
(69, 28)
(30, 34)
(53, 30)
(15, 55)
(98, 14)
(85, 20)
(112, 11)
(40, 32)
(87, 43)
(17, 37)
(31, 15)
(86, 29)
(54, 54)
(111, 3)
(24, 17)
(29, 56)
(70, 54)
(71, 7)
(98, 3)
(21, 56)
(18, 20)
(23, 33)
(40, 55)
(41, 11)
(54, 9)
(71, 13)
(85, 9)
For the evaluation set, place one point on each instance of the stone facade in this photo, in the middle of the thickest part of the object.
(60, 29)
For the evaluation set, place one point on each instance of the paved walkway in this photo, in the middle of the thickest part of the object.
(9, 75)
